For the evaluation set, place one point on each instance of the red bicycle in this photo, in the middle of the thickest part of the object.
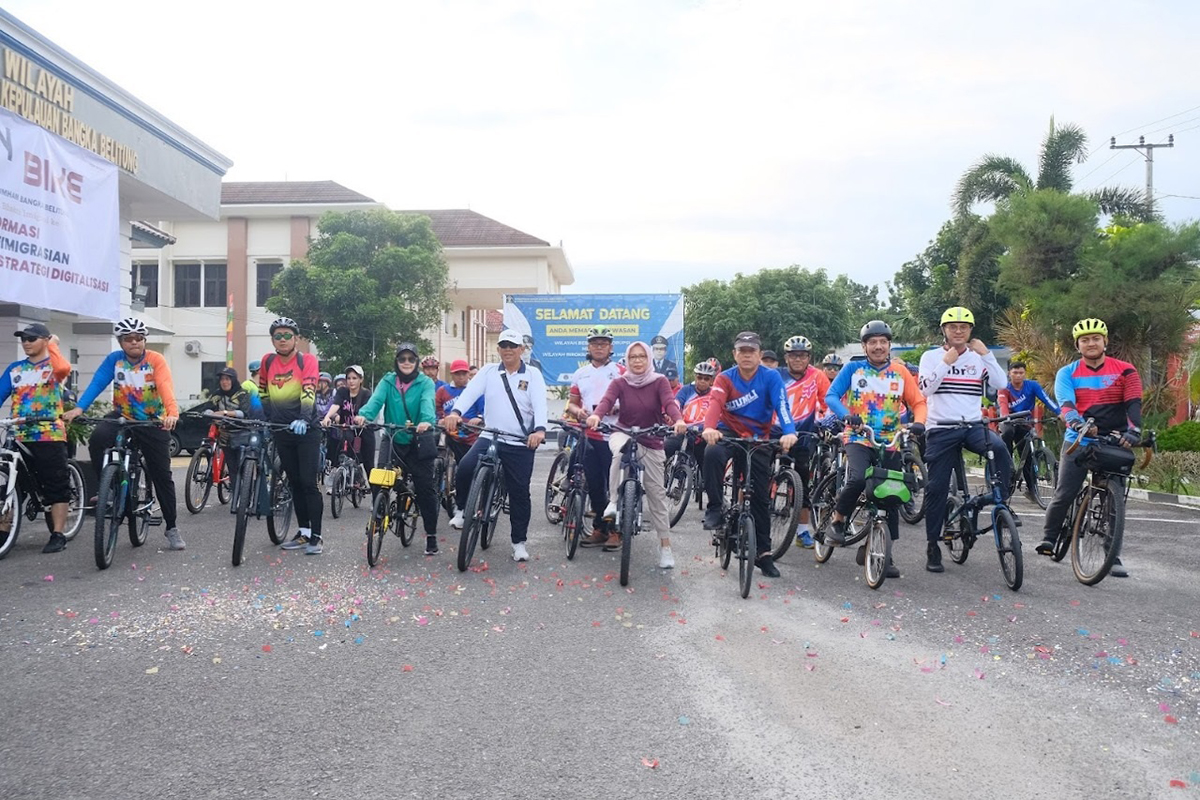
(207, 468)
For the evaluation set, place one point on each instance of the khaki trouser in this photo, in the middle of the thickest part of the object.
(653, 462)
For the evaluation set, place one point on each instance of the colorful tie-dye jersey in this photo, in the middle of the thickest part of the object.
(36, 391)
(877, 394)
(141, 391)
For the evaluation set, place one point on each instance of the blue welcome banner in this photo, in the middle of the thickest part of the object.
(555, 327)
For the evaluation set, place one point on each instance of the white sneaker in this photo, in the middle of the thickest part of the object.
(457, 521)
(519, 552)
(610, 511)
(665, 559)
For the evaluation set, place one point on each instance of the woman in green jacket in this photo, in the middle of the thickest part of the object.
(406, 398)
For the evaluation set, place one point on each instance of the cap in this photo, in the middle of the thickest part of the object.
(747, 339)
(35, 329)
(770, 354)
(355, 368)
(510, 336)
(671, 374)
(459, 365)
(660, 339)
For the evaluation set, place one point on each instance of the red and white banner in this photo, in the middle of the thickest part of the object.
(59, 223)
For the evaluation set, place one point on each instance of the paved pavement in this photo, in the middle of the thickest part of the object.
(178, 675)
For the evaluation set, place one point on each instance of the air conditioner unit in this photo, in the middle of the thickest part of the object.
(192, 347)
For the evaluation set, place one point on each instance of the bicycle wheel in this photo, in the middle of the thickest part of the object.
(337, 493)
(1097, 536)
(355, 485)
(1045, 468)
(224, 483)
(198, 482)
(1062, 545)
(879, 546)
(824, 499)
(495, 506)
(377, 525)
(959, 533)
(10, 516)
(555, 486)
(449, 496)
(627, 514)
(1008, 547)
(914, 510)
(140, 498)
(279, 514)
(245, 499)
(473, 515)
(109, 512)
(678, 477)
(408, 514)
(745, 544)
(787, 500)
(76, 505)
(573, 522)
(858, 524)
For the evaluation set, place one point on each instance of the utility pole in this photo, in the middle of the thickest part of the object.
(1147, 151)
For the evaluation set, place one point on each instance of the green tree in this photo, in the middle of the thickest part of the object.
(371, 279)
(776, 303)
(996, 178)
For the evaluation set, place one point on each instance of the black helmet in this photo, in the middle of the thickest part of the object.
(230, 371)
(875, 327)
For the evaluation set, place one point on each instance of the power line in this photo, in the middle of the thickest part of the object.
(1115, 174)
(1155, 122)
(1172, 125)
(1181, 196)
(1099, 166)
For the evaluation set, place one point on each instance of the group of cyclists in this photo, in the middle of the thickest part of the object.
(868, 400)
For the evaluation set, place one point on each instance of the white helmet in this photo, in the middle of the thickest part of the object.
(129, 325)
(285, 322)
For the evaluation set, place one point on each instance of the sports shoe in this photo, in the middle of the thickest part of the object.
(613, 542)
(1045, 547)
(666, 560)
(56, 544)
(713, 519)
(315, 547)
(174, 540)
(890, 571)
(804, 539)
(456, 521)
(295, 543)
(767, 565)
(1118, 569)
(519, 552)
(431, 548)
(933, 557)
(610, 512)
(597, 538)
(836, 532)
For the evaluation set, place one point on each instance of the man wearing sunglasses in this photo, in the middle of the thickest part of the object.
(142, 391)
(36, 385)
(287, 387)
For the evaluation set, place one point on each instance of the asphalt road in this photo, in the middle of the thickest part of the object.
(177, 675)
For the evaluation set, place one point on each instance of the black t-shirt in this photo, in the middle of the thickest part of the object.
(347, 406)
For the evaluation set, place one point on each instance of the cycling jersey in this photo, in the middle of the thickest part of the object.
(692, 404)
(1013, 400)
(141, 391)
(954, 392)
(879, 395)
(806, 395)
(287, 387)
(588, 385)
(443, 401)
(747, 407)
(36, 390)
(1111, 394)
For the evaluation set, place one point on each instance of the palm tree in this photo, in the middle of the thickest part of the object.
(996, 178)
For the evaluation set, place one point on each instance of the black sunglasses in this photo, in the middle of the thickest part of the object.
(508, 345)
(29, 339)
(406, 359)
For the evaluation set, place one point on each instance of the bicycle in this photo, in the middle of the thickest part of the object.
(574, 492)
(21, 493)
(1041, 462)
(1097, 516)
(260, 487)
(787, 501)
(737, 533)
(445, 466)
(206, 469)
(961, 528)
(349, 476)
(682, 477)
(486, 499)
(121, 480)
(631, 491)
(555, 504)
(912, 463)
(395, 505)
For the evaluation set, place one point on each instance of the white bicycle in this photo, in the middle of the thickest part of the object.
(21, 494)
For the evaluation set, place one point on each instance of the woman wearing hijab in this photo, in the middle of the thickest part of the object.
(229, 399)
(644, 397)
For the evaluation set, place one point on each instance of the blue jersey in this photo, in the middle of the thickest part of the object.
(1013, 400)
(747, 407)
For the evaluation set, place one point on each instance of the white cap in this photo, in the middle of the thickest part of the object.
(355, 368)
(511, 336)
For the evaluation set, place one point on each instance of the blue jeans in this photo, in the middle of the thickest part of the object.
(943, 447)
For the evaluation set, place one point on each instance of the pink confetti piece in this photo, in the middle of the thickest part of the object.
(979, 673)
(810, 654)
(1177, 784)
(1170, 720)
(942, 702)
(1074, 602)
(810, 667)
(958, 640)
(49, 578)
(1163, 707)
(650, 763)
(266, 648)
(720, 638)
(1122, 642)
(407, 668)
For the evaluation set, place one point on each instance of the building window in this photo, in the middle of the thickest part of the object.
(214, 285)
(267, 270)
(145, 273)
(208, 375)
(187, 285)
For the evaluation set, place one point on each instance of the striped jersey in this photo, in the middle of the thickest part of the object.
(141, 391)
(955, 391)
(747, 407)
(36, 390)
(1111, 394)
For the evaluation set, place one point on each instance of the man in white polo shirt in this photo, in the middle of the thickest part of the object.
(514, 401)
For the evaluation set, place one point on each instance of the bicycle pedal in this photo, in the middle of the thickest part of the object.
(154, 522)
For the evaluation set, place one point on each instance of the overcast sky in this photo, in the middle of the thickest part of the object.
(662, 142)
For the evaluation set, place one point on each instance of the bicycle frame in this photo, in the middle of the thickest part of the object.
(993, 495)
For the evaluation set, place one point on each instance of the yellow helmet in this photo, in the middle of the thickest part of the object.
(1089, 326)
(958, 314)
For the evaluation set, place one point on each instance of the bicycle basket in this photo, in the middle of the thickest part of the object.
(382, 477)
(1109, 458)
(888, 487)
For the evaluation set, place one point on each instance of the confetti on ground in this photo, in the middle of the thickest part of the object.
(683, 720)
(942, 702)
(152, 671)
(1177, 784)
(1170, 720)
(407, 668)
(49, 578)
(650, 763)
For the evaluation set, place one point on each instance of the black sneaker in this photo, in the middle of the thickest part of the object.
(767, 565)
(890, 571)
(836, 533)
(1118, 569)
(933, 557)
(56, 544)
(713, 519)
(1045, 547)
(431, 548)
